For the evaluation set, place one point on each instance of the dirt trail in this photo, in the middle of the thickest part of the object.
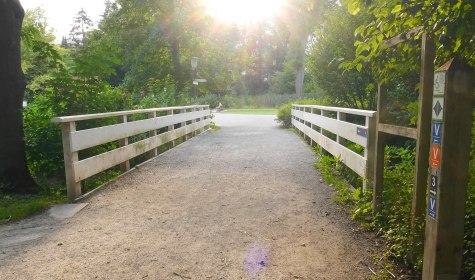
(240, 203)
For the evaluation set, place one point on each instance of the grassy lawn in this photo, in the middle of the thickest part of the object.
(16, 207)
(262, 111)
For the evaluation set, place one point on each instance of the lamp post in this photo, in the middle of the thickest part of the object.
(194, 64)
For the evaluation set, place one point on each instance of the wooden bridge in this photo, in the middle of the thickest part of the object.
(243, 202)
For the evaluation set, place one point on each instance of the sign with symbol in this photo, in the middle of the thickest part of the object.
(437, 108)
(436, 132)
(435, 152)
(439, 83)
(432, 206)
(434, 182)
(362, 131)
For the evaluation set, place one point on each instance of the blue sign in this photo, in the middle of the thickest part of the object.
(362, 131)
(432, 206)
(436, 132)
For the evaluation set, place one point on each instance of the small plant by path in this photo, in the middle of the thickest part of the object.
(16, 207)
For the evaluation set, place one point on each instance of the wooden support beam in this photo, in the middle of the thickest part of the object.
(403, 131)
(183, 111)
(379, 145)
(154, 152)
(125, 166)
(369, 152)
(341, 117)
(452, 110)
(171, 127)
(402, 37)
(73, 187)
(423, 142)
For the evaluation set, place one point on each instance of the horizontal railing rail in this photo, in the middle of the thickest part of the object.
(319, 122)
(179, 122)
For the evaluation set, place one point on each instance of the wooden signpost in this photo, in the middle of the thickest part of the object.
(449, 158)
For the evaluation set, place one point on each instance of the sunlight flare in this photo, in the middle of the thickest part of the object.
(243, 11)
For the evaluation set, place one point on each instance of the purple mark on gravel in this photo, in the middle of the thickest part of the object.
(256, 259)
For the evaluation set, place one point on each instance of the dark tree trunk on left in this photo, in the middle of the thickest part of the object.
(14, 173)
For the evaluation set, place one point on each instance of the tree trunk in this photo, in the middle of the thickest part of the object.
(14, 173)
(299, 81)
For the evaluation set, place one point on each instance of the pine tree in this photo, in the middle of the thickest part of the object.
(82, 24)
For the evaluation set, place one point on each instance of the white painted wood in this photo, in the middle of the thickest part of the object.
(124, 166)
(358, 112)
(73, 187)
(87, 138)
(340, 128)
(152, 133)
(93, 165)
(120, 113)
(351, 159)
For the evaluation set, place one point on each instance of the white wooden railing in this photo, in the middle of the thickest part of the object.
(179, 121)
(315, 121)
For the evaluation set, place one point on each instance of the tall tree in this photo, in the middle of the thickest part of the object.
(82, 24)
(14, 173)
(334, 42)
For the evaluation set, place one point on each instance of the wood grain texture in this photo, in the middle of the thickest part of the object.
(93, 165)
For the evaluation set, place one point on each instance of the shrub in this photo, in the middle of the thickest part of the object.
(62, 96)
(284, 115)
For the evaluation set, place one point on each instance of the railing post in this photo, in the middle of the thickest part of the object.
(125, 166)
(292, 108)
(153, 152)
(171, 127)
(369, 152)
(312, 126)
(202, 108)
(423, 142)
(208, 117)
(305, 123)
(341, 117)
(379, 150)
(183, 124)
(70, 157)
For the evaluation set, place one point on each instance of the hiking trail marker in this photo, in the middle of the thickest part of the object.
(452, 108)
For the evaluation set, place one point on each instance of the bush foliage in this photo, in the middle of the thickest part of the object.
(394, 219)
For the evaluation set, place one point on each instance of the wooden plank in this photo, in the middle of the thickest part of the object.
(357, 112)
(351, 159)
(378, 176)
(124, 166)
(183, 111)
(403, 131)
(87, 138)
(423, 142)
(171, 127)
(120, 113)
(341, 128)
(369, 152)
(70, 157)
(402, 37)
(444, 243)
(153, 152)
(342, 117)
(93, 165)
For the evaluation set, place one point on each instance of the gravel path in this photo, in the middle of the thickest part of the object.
(240, 203)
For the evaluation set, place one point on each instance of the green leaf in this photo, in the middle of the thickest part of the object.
(359, 67)
(354, 7)
(458, 42)
(396, 9)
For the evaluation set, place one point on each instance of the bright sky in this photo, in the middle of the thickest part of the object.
(60, 13)
(244, 11)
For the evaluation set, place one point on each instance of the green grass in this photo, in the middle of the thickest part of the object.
(16, 207)
(261, 111)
